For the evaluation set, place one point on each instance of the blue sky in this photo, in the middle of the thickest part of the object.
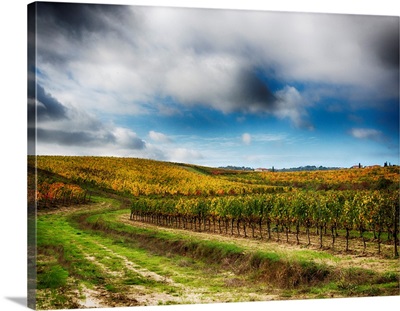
(216, 87)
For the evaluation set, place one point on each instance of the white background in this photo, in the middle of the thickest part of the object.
(13, 151)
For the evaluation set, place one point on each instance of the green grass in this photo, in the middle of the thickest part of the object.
(195, 169)
(53, 276)
(259, 257)
(75, 249)
(215, 250)
(66, 243)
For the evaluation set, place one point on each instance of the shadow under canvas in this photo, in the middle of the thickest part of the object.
(18, 300)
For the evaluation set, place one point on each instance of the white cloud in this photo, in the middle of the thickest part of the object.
(184, 155)
(291, 104)
(367, 133)
(197, 58)
(127, 139)
(246, 138)
(159, 137)
(266, 138)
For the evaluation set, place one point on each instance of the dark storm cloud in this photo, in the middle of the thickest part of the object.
(70, 127)
(75, 19)
(379, 35)
(31, 36)
(135, 143)
(387, 47)
(73, 138)
(49, 108)
(85, 139)
(254, 93)
(42, 106)
(65, 28)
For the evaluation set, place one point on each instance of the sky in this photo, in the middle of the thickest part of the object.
(215, 87)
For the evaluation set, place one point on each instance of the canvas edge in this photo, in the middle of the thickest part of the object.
(31, 144)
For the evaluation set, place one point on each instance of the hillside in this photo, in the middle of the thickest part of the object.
(134, 177)
(147, 232)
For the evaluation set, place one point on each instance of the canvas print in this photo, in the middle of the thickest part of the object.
(196, 156)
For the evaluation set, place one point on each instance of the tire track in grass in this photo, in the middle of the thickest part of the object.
(162, 289)
(90, 299)
(140, 270)
(104, 274)
(148, 288)
(147, 294)
(186, 294)
(58, 247)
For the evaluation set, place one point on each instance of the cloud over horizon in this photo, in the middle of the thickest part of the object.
(367, 133)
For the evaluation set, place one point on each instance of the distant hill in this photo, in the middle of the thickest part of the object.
(292, 169)
(236, 168)
(308, 168)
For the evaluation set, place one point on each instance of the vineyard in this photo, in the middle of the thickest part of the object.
(296, 212)
(216, 200)
(348, 212)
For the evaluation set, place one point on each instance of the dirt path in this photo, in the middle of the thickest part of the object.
(67, 210)
(99, 296)
(156, 289)
(138, 269)
(145, 296)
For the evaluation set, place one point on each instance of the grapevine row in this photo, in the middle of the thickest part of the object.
(297, 211)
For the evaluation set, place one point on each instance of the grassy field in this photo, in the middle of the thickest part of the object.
(91, 254)
(94, 256)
